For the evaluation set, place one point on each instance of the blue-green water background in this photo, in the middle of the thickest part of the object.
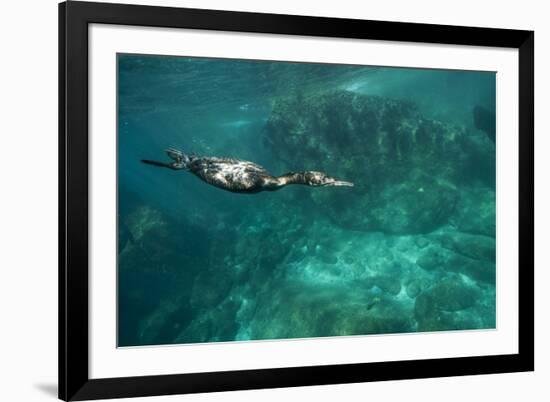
(198, 264)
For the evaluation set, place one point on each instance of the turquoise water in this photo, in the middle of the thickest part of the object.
(409, 248)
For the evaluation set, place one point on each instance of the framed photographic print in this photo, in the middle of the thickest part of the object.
(256, 200)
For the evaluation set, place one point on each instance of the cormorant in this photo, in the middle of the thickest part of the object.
(240, 176)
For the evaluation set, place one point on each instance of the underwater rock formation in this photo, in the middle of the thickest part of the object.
(410, 248)
(445, 306)
(485, 120)
(275, 276)
(476, 212)
(471, 255)
(482, 248)
(414, 288)
(299, 310)
(405, 167)
(156, 271)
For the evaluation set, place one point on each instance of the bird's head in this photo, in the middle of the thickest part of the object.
(320, 179)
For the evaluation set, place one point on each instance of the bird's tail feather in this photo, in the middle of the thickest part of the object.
(156, 163)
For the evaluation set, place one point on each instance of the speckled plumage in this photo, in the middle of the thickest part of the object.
(230, 174)
(240, 176)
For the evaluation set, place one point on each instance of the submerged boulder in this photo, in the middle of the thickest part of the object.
(296, 311)
(405, 167)
(414, 288)
(476, 212)
(432, 258)
(476, 247)
(436, 308)
(217, 324)
(459, 260)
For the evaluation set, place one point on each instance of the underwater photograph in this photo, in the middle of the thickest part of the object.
(269, 200)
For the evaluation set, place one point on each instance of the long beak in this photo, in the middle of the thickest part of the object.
(341, 183)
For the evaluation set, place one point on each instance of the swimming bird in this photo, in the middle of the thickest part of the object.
(240, 176)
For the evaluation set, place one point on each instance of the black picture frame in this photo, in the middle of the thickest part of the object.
(74, 381)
